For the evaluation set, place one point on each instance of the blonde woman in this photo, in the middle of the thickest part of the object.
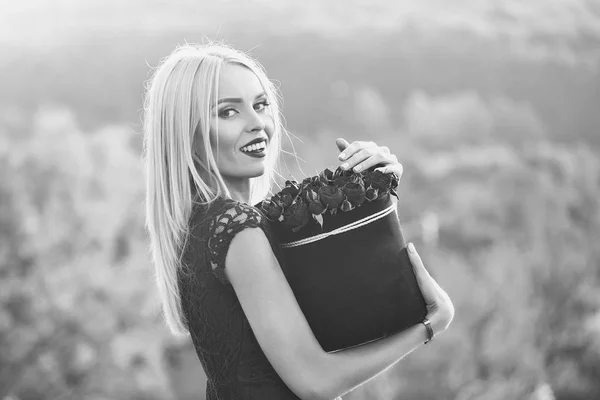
(212, 137)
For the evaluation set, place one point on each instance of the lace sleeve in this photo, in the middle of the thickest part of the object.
(223, 228)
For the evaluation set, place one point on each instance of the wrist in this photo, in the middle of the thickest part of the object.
(439, 322)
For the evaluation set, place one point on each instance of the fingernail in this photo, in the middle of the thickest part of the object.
(342, 156)
(345, 166)
(358, 168)
(411, 248)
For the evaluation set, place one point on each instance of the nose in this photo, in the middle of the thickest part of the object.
(256, 122)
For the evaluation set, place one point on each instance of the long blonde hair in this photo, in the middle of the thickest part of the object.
(176, 112)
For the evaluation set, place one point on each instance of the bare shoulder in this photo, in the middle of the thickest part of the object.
(272, 310)
(250, 255)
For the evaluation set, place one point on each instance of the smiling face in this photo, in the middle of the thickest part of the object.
(241, 116)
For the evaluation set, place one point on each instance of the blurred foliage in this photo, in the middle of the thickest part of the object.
(501, 194)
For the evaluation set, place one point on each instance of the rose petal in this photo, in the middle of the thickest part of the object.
(346, 206)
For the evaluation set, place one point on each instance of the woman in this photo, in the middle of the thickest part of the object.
(212, 136)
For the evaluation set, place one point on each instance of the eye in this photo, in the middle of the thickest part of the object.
(227, 112)
(261, 105)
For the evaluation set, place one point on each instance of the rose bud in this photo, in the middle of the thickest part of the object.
(357, 178)
(286, 199)
(395, 180)
(296, 216)
(316, 208)
(310, 182)
(355, 193)
(381, 181)
(272, 209)
(326, 175)
(331, 196)
(338, 172)
(292, 188)
(346, 206)
(371, 194)
(310, 195)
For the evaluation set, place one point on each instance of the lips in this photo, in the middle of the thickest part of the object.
(254, 141)
(254, 146)
(260, 154)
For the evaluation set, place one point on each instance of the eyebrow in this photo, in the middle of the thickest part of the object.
(238, 99)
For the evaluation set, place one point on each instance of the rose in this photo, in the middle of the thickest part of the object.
(272, 209)
(395, 180)
(310, 189)
(326, 176)
(310, 195)
(286, 199)
(296, 216)
(292, 188)
(371, 194)
(341, 181)
(338, 172)
(346, 206)
(316, 208)
(381, 181)
(355, 193)
(331, 196)
(314, 183)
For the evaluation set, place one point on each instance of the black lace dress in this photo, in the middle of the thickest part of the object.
(234, 363)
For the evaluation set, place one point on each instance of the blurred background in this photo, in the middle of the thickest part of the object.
(492, 106)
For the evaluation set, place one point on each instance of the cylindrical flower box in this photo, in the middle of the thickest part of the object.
(352, 277)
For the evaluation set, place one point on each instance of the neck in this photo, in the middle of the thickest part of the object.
(239, 188)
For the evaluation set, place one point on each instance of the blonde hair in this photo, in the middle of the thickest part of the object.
(176, 112)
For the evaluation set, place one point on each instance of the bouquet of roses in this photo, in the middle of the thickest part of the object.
(344, 255)
(298, 205)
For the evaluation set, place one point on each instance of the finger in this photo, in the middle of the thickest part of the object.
(422, 273)
(424, 280)
(342, 143)
(415, 259)
(396, 168)
(355, 147)
(389, 161)
(360, 157)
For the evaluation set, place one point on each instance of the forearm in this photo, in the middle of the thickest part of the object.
(347, 369)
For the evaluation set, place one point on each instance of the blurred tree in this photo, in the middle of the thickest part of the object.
(78, 299)
(518, 219)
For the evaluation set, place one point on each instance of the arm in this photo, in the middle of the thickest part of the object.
(285, 336)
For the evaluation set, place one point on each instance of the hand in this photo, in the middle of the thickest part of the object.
(363, 155)
(440, 310)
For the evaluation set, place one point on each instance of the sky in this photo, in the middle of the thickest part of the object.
(44, 20)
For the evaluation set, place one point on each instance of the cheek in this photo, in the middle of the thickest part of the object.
(224, 138)
(269, 125)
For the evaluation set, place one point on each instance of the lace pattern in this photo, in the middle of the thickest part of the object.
(223, 228)
(235, 365)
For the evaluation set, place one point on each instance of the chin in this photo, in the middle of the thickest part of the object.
(247, 171)
(256, 171)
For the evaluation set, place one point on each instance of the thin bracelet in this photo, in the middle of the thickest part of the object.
(427, 324)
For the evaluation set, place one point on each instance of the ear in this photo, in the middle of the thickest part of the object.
(342, 143)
